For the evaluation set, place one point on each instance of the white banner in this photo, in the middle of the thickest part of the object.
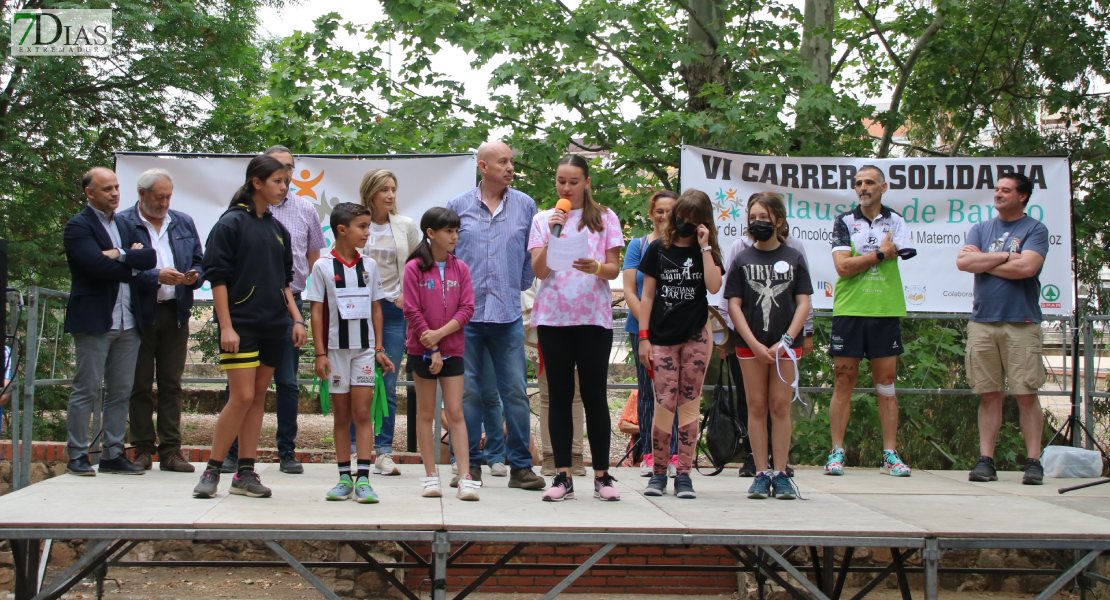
(203, 186)
(940, 199)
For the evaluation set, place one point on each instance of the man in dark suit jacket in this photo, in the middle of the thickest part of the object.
(164, 304)
(103, 259)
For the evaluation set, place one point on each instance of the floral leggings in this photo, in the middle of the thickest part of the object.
(679, 373)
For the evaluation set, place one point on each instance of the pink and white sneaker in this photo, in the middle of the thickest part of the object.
(646, 468)
(672, 467)
(604, 490)
(562, 488)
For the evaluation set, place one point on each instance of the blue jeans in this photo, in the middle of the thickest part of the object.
(393, 340)
(493, 418)
(503, 343)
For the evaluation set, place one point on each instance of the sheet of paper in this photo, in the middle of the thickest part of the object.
(563, 251)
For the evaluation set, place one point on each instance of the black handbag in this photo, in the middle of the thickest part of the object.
(721, 427)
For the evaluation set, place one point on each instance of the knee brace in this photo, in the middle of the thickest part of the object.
(885, 390)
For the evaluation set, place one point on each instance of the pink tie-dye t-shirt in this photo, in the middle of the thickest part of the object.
(569, 298)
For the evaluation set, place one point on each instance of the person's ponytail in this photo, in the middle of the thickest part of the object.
(423, 253)
(243, 196)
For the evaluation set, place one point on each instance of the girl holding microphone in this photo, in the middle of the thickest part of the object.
(573, 317)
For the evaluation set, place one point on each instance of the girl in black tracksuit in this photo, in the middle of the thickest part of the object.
(249, 262)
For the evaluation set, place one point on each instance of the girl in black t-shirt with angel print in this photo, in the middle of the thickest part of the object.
(678, 269)
(768, 292)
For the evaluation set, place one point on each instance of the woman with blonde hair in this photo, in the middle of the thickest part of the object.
(392, 239)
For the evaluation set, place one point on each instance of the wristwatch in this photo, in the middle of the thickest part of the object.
(879, 254)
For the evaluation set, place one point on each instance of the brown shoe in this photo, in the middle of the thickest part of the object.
(525, 479)
(475, 474)
(577, 465)
(174, 461)
(142, 459)
(547, 467)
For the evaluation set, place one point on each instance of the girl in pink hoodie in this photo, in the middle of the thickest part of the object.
(438, 302)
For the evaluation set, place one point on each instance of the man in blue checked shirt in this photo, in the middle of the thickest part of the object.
(493, 242)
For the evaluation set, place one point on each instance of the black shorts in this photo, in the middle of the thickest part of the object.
(452, 366)
(866, 337)
(252, 352)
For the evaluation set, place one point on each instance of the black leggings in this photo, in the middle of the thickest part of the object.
(587, 347)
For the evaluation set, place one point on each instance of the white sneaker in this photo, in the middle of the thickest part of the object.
(468, 489)
(431, 487)
(672, 467)
(454, 468)
(646, 468)
(498, 470)
(385, 466)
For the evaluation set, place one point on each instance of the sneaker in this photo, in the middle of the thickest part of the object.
(174, 461)
(1034, 473)
(782, 488)
(498, 469)
(119, 466)
(524, 478)
(761, 487)
(748, 469)
(249, 484)
(468, 489)
(657, 486)
(364, 494)
(143, 459)
(672, 467)
(547, 466)
(454, 468)
(893, 465)
(577, 465)
(475, 474)
(835, 464)
(342, 490)
(209, 481)
(81, 466)
(647, 468)
(385, 466)
(604, 490)
(431, 487)
(290, 465)
(562, 488)
(984, 470)
(684, 487)
(230, 464)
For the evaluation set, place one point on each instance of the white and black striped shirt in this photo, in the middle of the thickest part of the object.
(331, 272)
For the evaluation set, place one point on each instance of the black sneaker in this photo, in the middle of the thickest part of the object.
(81, 466)
(684, 487)
(120, 466)
(748, 470)
(657, 486)
(984, 470)
(290, 465)
(1034, 473)
(230, 464)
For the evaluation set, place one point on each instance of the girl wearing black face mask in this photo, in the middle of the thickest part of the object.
(768, 292)
(674, 341)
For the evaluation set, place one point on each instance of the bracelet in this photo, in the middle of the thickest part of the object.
(599, 266)
(319, 355)
(787, 340)
(643, 334)
(378, 351)
(301, 323)
(707, 249)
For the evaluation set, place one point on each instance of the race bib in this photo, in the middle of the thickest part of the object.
(353, 303)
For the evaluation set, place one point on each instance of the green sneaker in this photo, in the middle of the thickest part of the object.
(364, 494)
(342, 490)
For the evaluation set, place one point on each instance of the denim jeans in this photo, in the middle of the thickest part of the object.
(504, 344)
(493, 418)
(393, 340)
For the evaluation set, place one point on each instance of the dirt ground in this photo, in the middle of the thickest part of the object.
(134, 583)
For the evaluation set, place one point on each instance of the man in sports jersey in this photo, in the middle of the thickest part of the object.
(867, 306)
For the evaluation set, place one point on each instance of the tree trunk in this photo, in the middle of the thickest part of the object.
(702, 35)
(817, 31)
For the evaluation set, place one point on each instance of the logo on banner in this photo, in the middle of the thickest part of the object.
(305, 185)
(915, 294)
(827, 286)
(726, 205)
(1051, 294)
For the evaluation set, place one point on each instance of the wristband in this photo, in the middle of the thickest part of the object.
(377, 348)
(379, 351)
(787, 340)
(706, 249)
(301, 323)
(319, 355)
(643, 334)
(599, 266)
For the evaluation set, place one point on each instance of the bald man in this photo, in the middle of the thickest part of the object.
(104, 259)
(493, 240)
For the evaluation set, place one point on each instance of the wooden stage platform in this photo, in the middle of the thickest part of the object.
(927, 512)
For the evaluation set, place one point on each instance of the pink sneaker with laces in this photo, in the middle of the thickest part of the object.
(562, 488)
(604, 490)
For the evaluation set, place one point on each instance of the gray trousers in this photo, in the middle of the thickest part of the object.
(109, 357)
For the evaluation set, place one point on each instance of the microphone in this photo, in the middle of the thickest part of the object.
(562, 205)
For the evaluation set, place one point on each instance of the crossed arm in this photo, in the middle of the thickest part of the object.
(1008, 265)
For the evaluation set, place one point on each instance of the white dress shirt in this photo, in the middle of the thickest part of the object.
(122, 318)
(161, 242)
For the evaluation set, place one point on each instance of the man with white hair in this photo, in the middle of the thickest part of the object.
(164, 305)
